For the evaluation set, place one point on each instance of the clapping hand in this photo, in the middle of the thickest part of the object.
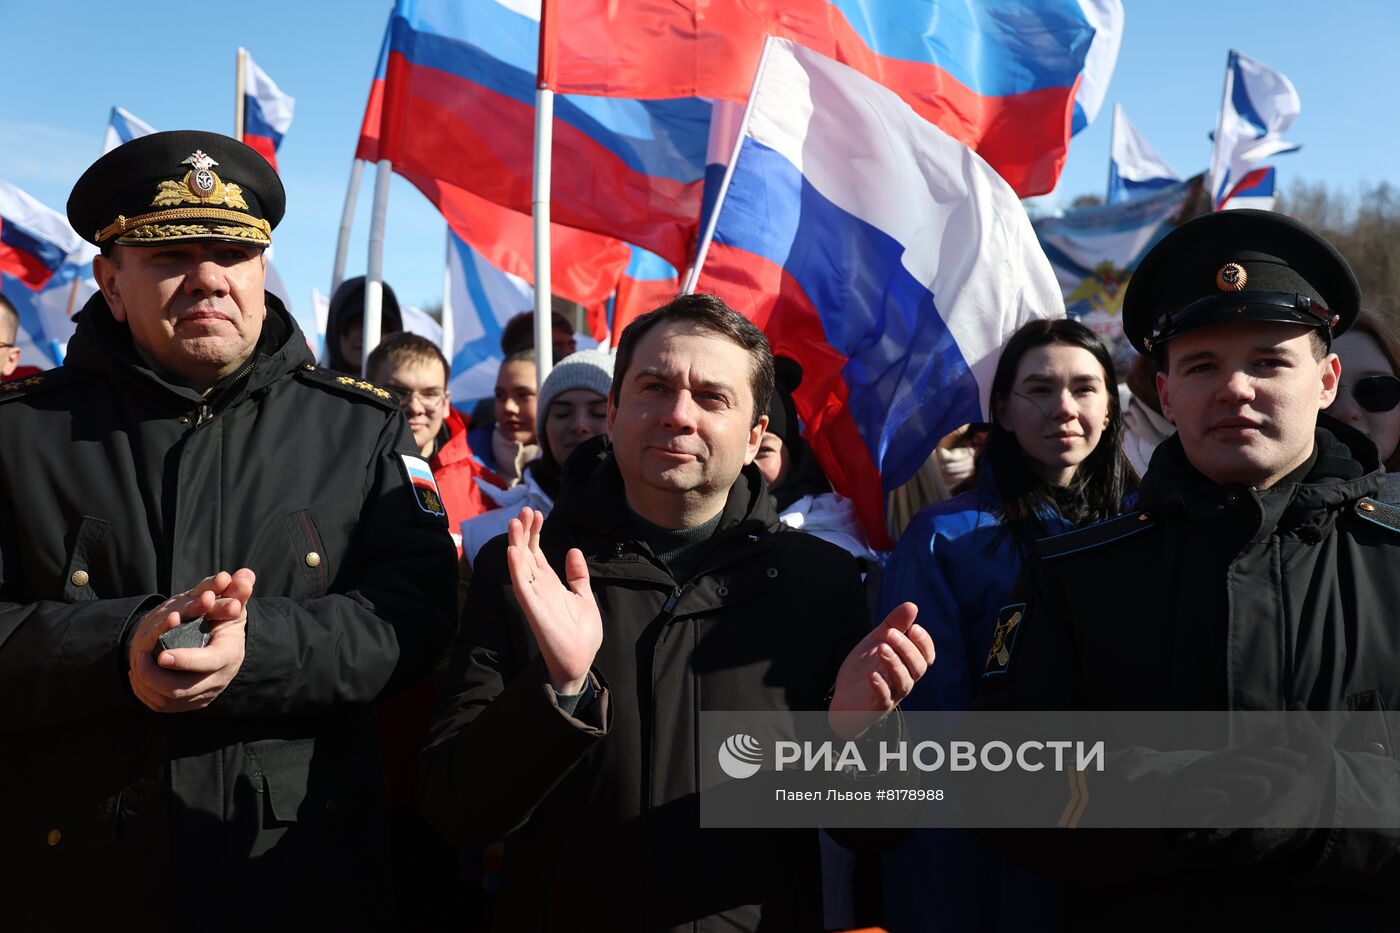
(183, 679)
(565, 620)
(879, 672)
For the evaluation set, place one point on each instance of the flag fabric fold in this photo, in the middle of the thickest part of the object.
(881, 254)
(1258, 107)
(122, 127)
(1106, 16)
(267, 111)
(647, 283)
(1255, 191)
(999, 75)
(1134, 167)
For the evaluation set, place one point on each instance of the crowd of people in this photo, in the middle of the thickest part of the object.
(276, 635)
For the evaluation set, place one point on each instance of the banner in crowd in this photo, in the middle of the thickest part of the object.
(1094, 250)
(881, 254)
(1000, 76)
(453, 100)
(267, 111)
(1134, 167)
(1258, 107)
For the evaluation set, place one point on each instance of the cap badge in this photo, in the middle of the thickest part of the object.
(201, 185)
(1232, 277)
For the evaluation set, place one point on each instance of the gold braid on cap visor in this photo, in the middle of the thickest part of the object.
(254, 225)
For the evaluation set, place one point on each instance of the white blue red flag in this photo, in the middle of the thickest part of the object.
(883, 255)
(45, 271)
(122, 127)
(1134, 167)
(999, 75)
(1255, 190)
(1258, 107)
(453, 101)
(267, 111)
(34, 239)
(1106, 16)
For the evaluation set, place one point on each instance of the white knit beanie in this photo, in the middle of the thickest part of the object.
(585, 369)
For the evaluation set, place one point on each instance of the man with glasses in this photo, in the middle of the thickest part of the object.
(416, 371)
(9, 333)
(1259, 575)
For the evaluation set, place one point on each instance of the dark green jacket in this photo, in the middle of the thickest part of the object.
(600, 813)
(118, 488)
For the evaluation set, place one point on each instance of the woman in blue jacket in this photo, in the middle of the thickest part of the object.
(1053, 461)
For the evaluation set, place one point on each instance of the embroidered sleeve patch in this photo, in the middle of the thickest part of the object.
(1004, 639)
(420, 479)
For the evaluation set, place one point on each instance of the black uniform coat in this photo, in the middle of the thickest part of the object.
(119, 488)
(1225, 598)
(600, 813)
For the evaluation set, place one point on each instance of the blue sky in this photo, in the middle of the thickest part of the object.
(172, 64)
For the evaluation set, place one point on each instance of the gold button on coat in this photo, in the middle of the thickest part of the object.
(79, 578)
(313, 559)
(53, 837)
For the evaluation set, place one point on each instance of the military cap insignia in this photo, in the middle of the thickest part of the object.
(420, 479)
(1004, 639)
(201, 185)
(1232, 277)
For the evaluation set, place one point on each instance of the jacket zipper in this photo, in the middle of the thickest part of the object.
(206, 409)
(667, 612)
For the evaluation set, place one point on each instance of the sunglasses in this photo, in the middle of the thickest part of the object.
(1376, 393)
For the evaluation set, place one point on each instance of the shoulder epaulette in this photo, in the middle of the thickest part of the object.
(1378, 513)
(1096, 535)
(350, 385)
(39, 382)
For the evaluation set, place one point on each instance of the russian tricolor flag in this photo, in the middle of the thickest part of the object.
(34, 240)
(267, 112)
(1134, 167)
(883, 255)
(1001, 76)
(453, 99)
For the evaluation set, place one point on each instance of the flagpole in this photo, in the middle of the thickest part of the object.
(539, 202)
(704, 247)
(1112, 149)
(1220, 126)
(448, 331)
(240, 69)
(374, 272)
(347, 223)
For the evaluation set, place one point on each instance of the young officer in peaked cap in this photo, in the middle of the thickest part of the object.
(1258, 575)
(215, 558)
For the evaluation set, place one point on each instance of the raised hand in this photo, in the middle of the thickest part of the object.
(879, 672)
(565, 620)
(185, 679)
